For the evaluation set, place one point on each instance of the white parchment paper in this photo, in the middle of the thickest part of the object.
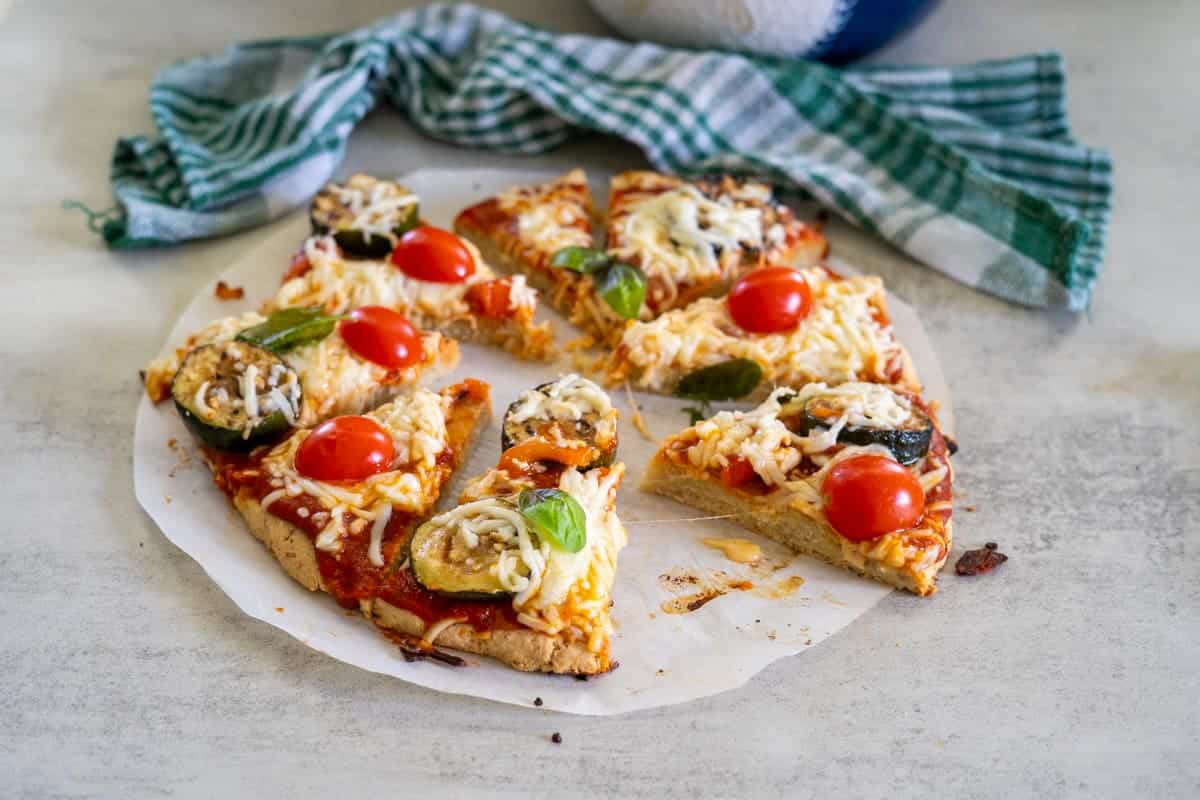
(664, 658)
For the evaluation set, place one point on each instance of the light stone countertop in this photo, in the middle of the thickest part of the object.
(1070, 672)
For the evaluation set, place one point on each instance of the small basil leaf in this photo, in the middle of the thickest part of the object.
(727, 380)
(580, 259)
(290, 328)
(698, 413)
(556, 517)
(624, 288)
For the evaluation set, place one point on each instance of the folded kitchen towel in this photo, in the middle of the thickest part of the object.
(970, 169)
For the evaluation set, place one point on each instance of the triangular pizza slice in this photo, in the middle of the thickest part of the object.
(335, 503)
(522, 569)
(438, 280)
(856, 474)
(245, 380)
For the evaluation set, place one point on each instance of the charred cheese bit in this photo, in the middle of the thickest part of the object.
(678, 234)
(338, 284)
(840, 340)
(417, 425)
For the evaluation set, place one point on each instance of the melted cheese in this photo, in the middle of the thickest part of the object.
(338, 284)
(375, 209)
(676, 234)
(418, 429)
(569, 398)
(549, 227)
(840, 340)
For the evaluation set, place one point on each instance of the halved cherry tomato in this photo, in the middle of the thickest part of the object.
(432, 254)
(345, 449)
(382, 336)
(736, 471)
(770, 300)
(867, 496)
(489, 298)
(298, 268)
(532, 450)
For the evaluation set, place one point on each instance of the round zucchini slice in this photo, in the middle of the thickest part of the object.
(458, 553)
(885, 418)
(235, 396)
(567, 413)
(366, 216)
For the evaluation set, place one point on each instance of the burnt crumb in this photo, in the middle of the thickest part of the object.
(141, 376)
(223, 291)
(977, 562)
(141, 545)
(757, 621)
(537, 701)
(581, 677)
(661, 672)
(951, 445)
(972, 509)
(556, 737)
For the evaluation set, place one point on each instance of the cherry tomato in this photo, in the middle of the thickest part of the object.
(489, 298)
(382, 336)
(345, 449)
(867, 496)
(432, 254)
(770, 300)
(736, 471)
(298, 268)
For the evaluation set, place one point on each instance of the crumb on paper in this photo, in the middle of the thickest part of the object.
(653, 615)
(537, 701)
(972, 509)
(279, 609)
(660, 672)
(172, 443)
(979, 561)
(224, 291)
(808, 642)
(167, 499)
(556, 737)
(771, 634)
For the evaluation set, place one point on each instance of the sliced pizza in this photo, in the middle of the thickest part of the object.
(434, 278)
(857, 474)
(691, 239)
(335, 504)
(243, 381)
(523, 230)
(777, 326)
(522, 569)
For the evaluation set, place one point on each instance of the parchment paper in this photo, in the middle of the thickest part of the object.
(664, 658)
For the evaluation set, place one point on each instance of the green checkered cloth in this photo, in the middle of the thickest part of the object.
(971, 169)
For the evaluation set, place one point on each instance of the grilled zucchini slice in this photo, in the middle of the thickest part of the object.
(459, 553)
(887, 418)
(571, 412)
(235, 396)
(366, 216)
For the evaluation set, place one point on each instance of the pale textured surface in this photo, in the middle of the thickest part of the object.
(1070, 672)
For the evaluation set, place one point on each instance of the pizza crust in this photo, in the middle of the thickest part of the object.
(520, 648)
(787, 526)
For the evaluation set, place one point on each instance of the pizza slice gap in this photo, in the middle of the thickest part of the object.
(242, 381)
(856, 474)
(522, 569)
(692, 239)
(334, 504)
(365, 252)
(725, 348)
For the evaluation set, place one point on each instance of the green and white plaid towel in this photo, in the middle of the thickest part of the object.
(969, 169)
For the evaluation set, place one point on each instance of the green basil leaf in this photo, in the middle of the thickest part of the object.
(624, 288)
(290, 328)
(727, 380)
(555, 516)
(698, 413)
(580, 259)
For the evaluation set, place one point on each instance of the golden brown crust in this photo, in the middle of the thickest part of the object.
(520, 648)
(788, 526)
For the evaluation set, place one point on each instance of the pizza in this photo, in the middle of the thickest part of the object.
(777, 326)
(522, 569)
(523, 229)
(668, 242)
(691, 239)
(857, 474)
(243, 380)
(335, 504)
(436, 279)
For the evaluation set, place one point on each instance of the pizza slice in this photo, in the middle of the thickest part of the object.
(243, 381)
(433, 277)
(522, 569)
(691, 239)
(777, 327)
(334, 504)
(856, 474)
(524, 229)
